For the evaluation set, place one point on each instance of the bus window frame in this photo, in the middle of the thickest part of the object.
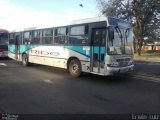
(43, 36)
(59, 36)
(84, 35)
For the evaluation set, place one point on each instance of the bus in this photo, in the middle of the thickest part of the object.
(100, 45)
(3, 43)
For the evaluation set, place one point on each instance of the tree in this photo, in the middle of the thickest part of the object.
(142, 14)
(117, 8)
(145, 13)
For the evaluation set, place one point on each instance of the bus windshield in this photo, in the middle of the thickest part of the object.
(120, 40)
(3, 47)
(3, 39)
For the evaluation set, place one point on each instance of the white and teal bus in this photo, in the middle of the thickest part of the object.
(101, 45)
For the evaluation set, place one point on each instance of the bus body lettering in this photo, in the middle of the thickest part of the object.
(42, 52)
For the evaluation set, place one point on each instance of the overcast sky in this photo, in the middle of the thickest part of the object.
(20, 14)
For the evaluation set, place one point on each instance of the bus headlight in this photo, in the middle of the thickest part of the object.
(130, 63)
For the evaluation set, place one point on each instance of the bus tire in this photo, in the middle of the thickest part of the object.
(75, 68)
(25, 60)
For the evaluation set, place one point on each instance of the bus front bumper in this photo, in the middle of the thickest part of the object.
(116, 70)
(3, 55)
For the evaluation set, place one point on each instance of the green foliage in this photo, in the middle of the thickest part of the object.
(151, 40)
(150, 51)
(144, 15)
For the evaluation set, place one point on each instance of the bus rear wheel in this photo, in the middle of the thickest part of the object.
(75, 68)
(25, 60)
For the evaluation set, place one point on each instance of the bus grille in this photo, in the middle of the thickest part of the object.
(123, 62)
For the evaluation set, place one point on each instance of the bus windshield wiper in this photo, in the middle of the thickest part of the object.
(127, 34)
(119, 33)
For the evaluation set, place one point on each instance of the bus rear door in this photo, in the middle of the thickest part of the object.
(17, 45)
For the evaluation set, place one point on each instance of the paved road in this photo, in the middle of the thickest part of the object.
(42, 89)
(148, 67)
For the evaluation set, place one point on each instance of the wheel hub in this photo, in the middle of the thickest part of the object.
(75, 68)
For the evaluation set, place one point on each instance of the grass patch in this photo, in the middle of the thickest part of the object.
(147, 55)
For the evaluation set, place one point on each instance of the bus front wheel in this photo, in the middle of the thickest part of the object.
(75, 68)
(25, 60)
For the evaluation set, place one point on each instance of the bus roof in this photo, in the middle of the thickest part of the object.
(3, 31)
(89, 20)
(109, 20)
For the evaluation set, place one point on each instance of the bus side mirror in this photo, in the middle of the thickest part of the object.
(111, 34)
(127, 32)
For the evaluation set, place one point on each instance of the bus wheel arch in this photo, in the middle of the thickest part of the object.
(74, 66)
(25, 59)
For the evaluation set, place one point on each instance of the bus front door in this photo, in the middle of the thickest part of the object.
(17, 46)
(98, 50)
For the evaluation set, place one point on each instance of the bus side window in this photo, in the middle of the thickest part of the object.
(79, 35)
(18, 38)
(11, 39)
(99, 37)
(61, 36)
(103, 42)
(17, 41)
(47, 36)
(35, 37)
(27, 37)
